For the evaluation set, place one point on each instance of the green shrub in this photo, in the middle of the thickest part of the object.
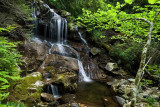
(127, 55)
(12, 104)
(9, 61)
(150, 100)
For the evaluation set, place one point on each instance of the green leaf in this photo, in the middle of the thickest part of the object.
(128, 1)
(152, 1)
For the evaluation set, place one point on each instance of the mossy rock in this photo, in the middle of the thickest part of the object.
(71, 26)
(22, 91)
(68, 79)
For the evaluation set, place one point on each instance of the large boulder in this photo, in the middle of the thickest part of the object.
(28, 90)
(63, 50)
(34, 53)
(61, 70)
(61, 63)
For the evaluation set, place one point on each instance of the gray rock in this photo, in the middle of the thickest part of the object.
(120, 100)
(34, 74)
(95, 51)
(131, 80)
(111, 66)
(62, 63)
(47, 97)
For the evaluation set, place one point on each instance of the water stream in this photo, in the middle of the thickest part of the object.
(93, 94)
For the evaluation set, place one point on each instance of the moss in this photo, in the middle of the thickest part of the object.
(22, 92)
(71, 26)
(49, 68)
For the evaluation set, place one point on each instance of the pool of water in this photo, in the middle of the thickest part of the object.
(93, 93)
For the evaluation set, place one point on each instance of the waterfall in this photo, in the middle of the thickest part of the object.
(34, 15)
(80, 35)
(55, 91)
(82, 73)
(56, 32)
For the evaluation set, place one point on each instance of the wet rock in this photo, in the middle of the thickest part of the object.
(120, 100)
(69, 80)
(63, 50)
(95, 51)
(34, 53)
(111, 66)
(47, 97)
(62, 63)
(68, 98)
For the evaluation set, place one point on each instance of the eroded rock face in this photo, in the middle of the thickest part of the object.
(34, 54)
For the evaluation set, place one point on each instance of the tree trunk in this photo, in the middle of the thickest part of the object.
(143, 59)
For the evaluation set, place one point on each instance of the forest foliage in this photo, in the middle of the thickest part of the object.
(9, 61)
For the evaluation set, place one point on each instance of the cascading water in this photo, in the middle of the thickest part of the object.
(55, 91)
(58, 35)
(35, 21)
(83, 75)
(80, 35)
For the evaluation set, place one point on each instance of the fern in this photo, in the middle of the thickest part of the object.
(9, 61)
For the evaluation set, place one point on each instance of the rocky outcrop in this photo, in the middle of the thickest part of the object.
(34, 53)
(124, 89)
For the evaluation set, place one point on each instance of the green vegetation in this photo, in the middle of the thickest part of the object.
(9, 61)
(13, 104)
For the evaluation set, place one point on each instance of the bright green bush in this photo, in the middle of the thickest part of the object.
(9, 61)
(12, 104)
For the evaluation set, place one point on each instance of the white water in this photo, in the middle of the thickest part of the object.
(61, 49)
(55, 91)
(82, 73)
(58, 35)
(80, 35)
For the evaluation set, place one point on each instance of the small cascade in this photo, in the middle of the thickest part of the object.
(56, 29)
(55, 91)
(80, 35)
(82, 73)
(34, 15)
